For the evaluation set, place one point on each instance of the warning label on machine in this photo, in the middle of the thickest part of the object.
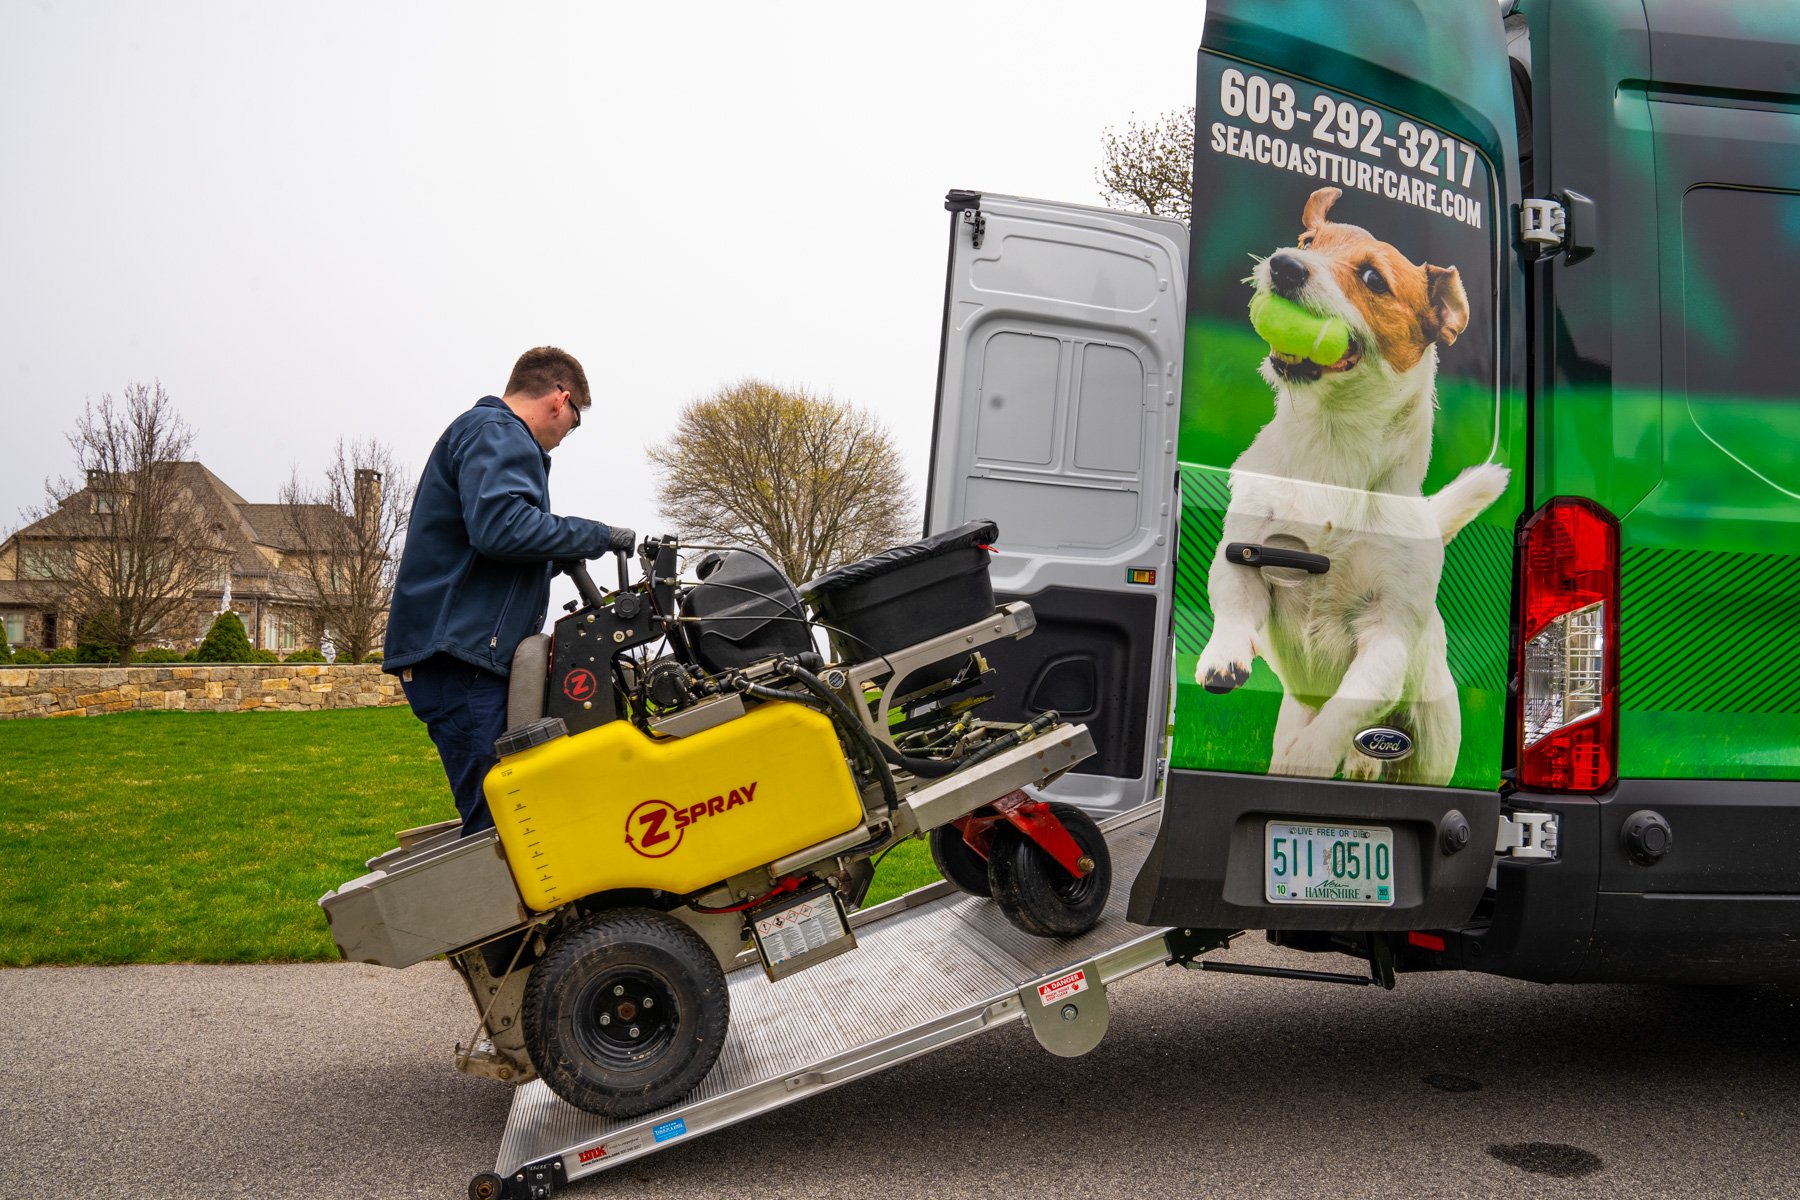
(1061, 988)
(801, 927)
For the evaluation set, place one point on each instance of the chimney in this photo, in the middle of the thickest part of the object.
(367, 501)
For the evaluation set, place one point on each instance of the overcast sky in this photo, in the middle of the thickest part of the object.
(332, 219)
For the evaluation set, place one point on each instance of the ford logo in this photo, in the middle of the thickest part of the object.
(1382, 742)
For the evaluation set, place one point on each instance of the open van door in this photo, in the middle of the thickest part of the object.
(1058, 402)
(1352, 449)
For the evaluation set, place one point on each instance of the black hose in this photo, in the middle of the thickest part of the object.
(924, 768)
(1023, 733)
(854, 728)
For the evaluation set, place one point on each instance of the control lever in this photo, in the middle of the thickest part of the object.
(577, 572)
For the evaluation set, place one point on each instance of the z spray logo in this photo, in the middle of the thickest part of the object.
(579, 685)
(651, 829)
(655, 827)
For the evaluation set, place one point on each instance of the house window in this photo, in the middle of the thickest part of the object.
(281, 633)
(15, 628)
(106, 502)
(49, 631)
(39, 563)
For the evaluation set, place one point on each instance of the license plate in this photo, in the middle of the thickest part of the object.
(1328, 864)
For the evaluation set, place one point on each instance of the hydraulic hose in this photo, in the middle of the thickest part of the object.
(1007, 741)
(924, 768)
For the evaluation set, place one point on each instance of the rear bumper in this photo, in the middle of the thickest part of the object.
(1205, 869)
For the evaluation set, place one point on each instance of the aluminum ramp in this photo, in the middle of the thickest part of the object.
(932, 967)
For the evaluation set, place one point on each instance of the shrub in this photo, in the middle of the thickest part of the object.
(6, 651)
(225, 641)
(158, 654)
(259, 655)
(95, 644)
(373, 656)
(29, 655)
(306, 654)
(62, 656)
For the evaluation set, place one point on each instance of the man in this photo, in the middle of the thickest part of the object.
(474, 577)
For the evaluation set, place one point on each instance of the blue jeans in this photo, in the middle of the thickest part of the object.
(464, 710)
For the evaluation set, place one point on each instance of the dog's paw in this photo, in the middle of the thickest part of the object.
(1220, 680)
(1305, 757)
(1222, 671)
(1364, 769)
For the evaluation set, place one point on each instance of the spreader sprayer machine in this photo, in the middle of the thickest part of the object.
(686, 781)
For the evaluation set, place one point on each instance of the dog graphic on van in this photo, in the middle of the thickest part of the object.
(1338, 472)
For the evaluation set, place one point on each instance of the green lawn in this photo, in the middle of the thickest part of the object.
(209, 837)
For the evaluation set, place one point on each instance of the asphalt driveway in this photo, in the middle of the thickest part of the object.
(335, 1080)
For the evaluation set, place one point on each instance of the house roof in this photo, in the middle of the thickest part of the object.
(273, 524)
(241, 527)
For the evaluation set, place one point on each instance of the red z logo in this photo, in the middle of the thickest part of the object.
(647, 822)
(579, 684)
(652, 822)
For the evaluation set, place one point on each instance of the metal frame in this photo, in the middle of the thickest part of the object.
(1013, 620)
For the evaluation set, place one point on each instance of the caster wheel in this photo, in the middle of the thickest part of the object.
(957, 861)
(1036, 893)
(487, 1186)
(626, 1012)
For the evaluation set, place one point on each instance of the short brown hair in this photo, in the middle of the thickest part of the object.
(545, 369)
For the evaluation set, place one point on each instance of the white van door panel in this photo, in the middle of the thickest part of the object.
(1059, 393)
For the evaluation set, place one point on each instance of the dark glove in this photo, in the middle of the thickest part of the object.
(622, 539)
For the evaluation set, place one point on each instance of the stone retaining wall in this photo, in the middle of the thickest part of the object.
(176, 687)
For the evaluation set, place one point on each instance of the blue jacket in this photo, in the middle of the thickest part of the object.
(474, 577)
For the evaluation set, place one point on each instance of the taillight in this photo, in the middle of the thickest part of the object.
(1569, 652)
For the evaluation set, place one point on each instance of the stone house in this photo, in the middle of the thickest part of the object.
(261, 573)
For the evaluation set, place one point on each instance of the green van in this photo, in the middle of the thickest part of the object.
(1424, 527)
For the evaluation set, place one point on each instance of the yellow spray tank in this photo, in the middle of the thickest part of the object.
(613, 807)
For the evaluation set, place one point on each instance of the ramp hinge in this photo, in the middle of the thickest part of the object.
(976, 220)
(1068, 1013)
(1527, 835)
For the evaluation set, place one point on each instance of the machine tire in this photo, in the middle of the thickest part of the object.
(586, 997)
(957, 861)
(1033, 890)
(487, 1186)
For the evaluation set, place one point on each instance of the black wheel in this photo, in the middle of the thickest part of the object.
(957, 861)
(1033, 889)
(626, 1012)
(487, 1186)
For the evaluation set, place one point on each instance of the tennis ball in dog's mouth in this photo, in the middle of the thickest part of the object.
(1292, 330)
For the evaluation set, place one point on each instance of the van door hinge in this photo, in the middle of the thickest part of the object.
(1542, 224)
(976, 220)
(1561, 223)
(1527, 835)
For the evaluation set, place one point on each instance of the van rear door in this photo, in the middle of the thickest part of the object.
(1058, 389)
(1352, 468)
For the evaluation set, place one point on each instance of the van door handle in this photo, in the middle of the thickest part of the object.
(1248, 554)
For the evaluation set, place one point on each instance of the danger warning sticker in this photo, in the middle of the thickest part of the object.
(1074, 983)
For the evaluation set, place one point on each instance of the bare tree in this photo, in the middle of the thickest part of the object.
(344, 539)
(809, 480)
(127, 544)
(1150, 168)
